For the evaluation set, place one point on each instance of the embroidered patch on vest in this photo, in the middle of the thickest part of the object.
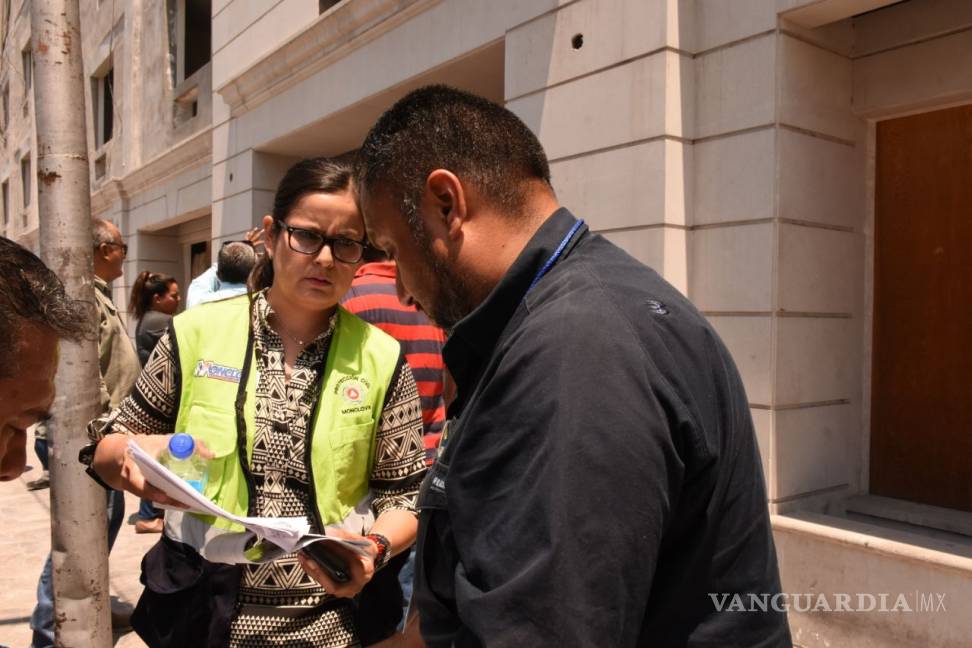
(209, 369)
(353, 390)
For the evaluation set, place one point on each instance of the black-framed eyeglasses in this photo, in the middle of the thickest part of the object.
(308, 241)
(123, 246)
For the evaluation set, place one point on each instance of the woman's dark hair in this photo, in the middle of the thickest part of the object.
(147, 285)
(314, 175)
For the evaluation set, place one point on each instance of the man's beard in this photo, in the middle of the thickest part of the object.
(451, 300)
(452, 297)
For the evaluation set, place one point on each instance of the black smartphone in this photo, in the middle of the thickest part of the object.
(328, 559)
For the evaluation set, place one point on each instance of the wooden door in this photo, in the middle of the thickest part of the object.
(921, 389)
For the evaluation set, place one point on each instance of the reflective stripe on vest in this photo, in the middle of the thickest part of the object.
(211, 341)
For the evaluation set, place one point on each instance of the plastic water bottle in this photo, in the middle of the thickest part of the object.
(184, 461)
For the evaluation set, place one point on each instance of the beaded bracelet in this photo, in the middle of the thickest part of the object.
(384, 549)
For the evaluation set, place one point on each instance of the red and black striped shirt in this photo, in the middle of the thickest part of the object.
(373, 298)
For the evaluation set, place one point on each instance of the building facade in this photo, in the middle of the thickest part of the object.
(799, 168)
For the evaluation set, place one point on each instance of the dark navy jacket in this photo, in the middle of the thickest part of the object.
(602, 478)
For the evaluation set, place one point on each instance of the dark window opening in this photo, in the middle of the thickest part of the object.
(28, 70)
(103, 105)
(198, 30)
(25, 185)
(199, 259)
(324, 5)
(6, 205)
(108, 113)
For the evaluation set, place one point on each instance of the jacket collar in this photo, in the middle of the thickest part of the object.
(473, 340)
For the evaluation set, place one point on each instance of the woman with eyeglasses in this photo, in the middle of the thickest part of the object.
(305, 410)
(154, 300)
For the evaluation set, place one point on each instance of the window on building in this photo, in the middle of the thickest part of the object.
(28, 69)
(103, 108)
(324, 5)
(25, 185)
(6, 205)
(197, 30)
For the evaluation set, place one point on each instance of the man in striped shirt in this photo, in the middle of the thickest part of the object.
(374, 298)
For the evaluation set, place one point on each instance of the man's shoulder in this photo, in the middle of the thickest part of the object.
(105, 305)
(155, 319)
(604, 292)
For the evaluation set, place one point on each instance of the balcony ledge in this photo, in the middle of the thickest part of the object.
(332, 36)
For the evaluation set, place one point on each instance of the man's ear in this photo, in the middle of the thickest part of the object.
(447, 195)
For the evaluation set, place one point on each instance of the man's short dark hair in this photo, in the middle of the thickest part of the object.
(31, 294)
(235, 261)
(438, 127)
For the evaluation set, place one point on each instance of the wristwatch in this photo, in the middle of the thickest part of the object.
(86, 457)
(384, 549)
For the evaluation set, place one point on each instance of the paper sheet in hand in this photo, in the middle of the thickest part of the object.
(284, 532)
(236, 548)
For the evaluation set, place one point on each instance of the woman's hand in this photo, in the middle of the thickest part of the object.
(361, 568)
(117, 469)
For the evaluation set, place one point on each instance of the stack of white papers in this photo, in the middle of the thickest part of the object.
(288, 533)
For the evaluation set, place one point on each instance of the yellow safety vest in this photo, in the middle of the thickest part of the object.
(212, 341)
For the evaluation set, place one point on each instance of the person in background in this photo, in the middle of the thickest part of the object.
(41, 450)
(374, 298)
(154, 300)
(118, 365)
(35, 314)
(227, 277)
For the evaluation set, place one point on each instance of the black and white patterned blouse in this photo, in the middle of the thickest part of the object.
(278, 603)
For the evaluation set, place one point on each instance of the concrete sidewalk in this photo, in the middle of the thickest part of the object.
(25, 542)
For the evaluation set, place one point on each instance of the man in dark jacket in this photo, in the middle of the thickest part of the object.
(601, 484)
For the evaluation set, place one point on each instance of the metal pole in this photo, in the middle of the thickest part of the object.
(79, 548)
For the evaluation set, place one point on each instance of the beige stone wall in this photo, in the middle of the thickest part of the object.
(319, 92)
(157, 163)
(17, 137)
(609, 89)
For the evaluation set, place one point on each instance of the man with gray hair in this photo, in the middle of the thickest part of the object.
(35, 314)
(227, 277)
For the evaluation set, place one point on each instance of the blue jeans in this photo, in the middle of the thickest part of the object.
(40, 449)
(406, 578)
(147, 510)
(42, 619)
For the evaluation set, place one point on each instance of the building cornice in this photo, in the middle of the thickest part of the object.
(334, 35)
(191, 152)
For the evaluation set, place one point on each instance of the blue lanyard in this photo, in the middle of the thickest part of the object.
(553, 257)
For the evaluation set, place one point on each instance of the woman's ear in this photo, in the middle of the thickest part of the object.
(268, 233)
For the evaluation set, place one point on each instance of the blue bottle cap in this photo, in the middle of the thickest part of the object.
(181, 446)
